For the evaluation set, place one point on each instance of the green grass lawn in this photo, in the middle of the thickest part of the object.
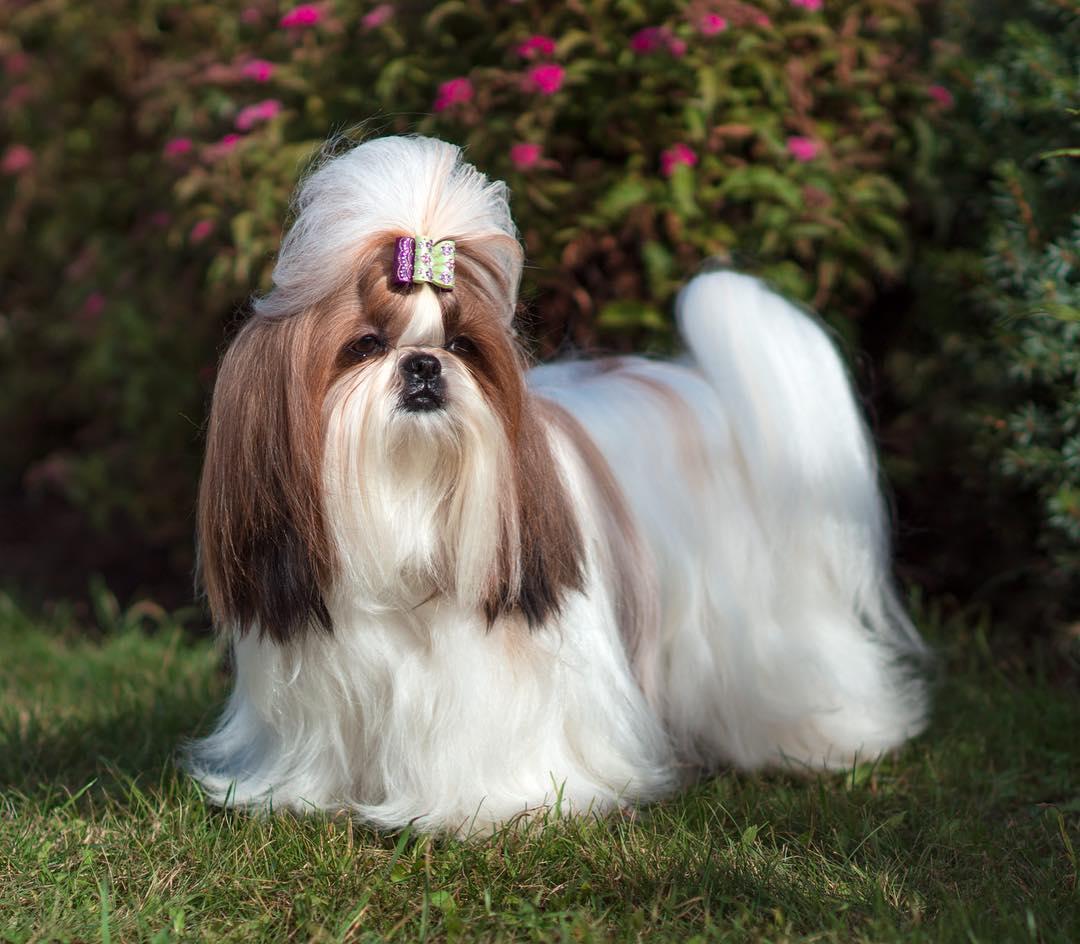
(970, 834)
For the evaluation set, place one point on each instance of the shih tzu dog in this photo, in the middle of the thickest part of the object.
(457, 590)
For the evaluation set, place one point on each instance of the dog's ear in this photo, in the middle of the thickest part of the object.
(546, 561)
(264, 554)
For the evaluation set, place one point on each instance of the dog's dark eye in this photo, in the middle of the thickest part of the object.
(365, 347)
(461, 345)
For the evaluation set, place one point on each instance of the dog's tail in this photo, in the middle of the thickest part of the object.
(823, 618)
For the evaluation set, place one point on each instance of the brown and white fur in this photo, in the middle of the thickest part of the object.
(457, 590)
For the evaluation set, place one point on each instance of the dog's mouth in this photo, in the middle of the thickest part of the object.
(423, 398)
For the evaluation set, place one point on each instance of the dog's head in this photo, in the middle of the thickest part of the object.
(372, 444)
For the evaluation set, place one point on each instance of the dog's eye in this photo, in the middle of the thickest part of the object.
(461, 345)
(365, 347)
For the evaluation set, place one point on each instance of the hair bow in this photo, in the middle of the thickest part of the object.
(424, 260)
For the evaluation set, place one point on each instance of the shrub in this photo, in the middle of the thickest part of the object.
(999, 370)
(155, 145)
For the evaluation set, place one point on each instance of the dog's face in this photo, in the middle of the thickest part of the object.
(377, 449)
(423, 415)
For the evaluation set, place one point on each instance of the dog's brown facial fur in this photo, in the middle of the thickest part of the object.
(266, 559)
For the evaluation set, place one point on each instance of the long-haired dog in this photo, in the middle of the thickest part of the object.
(457, 589)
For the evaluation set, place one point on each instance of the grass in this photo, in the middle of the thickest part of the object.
(970, 834)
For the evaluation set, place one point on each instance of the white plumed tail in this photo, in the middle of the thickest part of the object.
(819, 658)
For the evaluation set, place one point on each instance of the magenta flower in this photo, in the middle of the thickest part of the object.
(17, 158)
(656, 39)
(525, 156)
(711, 24)
(17, 63)
(803, 149)
(201, 230)
(537, 45)
(18, 96)
(177, 146)
(808, 4)
(376, 17)
(762, 20)
(649, 39)
(93, 306)
(547, 78)
(258, 69)
(674, 156)
(941, 95)
(248, 117)
(453, 92)
(225, 146)
(307, 14)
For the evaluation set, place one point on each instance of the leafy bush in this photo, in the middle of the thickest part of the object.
(154, 145)
(999, 372)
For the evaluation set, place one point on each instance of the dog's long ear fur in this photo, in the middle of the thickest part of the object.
(265, 556)
(544, 552)
(551, 550)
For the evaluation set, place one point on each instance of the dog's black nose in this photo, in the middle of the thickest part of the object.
(421, 367)
(423, 387)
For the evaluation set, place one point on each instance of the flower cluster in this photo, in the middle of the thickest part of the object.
(546, 78)
(453, 92)
(653, 39)
(674, 156)
(301, 17)
(252, 115)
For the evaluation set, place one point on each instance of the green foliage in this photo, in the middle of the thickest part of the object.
(1028, 96)
(970, 834)
(1004, 380)
(154, 145)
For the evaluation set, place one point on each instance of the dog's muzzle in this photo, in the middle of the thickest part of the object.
(424, 386)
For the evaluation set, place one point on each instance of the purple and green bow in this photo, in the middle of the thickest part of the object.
(424, 260)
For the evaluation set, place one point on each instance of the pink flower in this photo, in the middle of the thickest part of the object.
(17, 63)
(803, 149)
(252, 115)
(656, 39)
(93, 306)
(649, 39)
(762, 20)
(525, 156)
(177, 146)
(674, 156)
(307, 14)
(711, 24)
(18, 96)
(547, 78)
(201, 230)
(225, 146)
(17, 158)
(258, 69)
(453, 92)
(376, 17)
(941, 95)
(537, 45)
(808, 4)
(251, 16)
